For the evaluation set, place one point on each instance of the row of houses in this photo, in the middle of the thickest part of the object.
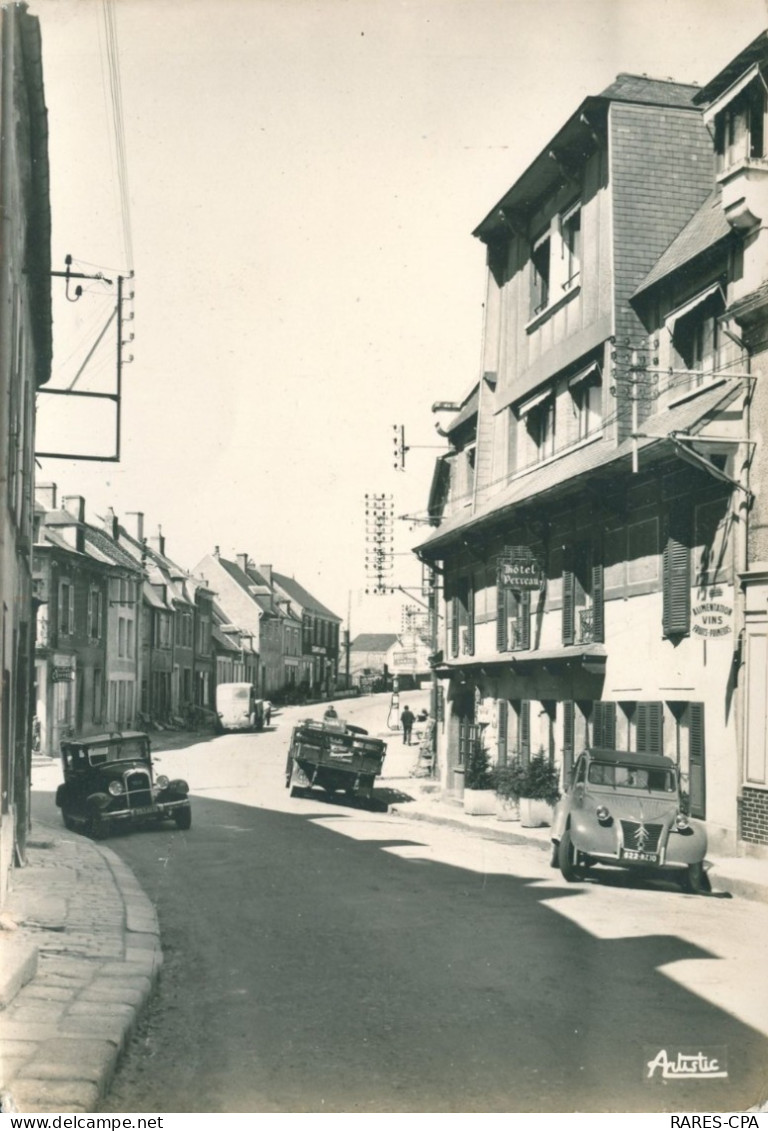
(125, 636)
(600, 521)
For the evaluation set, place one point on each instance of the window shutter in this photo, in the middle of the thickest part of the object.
(470, 616)
(502, 730)
(524, 615)
(502, 643)
(598, 619)
(649, 728)
(604, 725)
(569, 738)
(569, 601)
(525, 730)
(71, 612)
(453, 611)
(697, 777)
(676, 586)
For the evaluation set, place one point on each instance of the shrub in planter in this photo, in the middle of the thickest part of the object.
(479, 791)
(539, 790)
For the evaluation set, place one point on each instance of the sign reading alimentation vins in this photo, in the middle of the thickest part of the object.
(712, 617)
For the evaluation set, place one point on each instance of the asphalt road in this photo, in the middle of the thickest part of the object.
(320, 957)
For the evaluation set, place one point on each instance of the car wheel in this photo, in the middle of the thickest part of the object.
(96, 829)
(696, 880)
(183, 818)
(567, 857)
(553, 861)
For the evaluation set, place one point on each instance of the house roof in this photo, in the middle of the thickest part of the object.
(564, 473)
(467, 411)
(302, 596)
(577, 138)
(754, 52)
(373, 642)
(104, 548)
(705, 229)
(247, 583)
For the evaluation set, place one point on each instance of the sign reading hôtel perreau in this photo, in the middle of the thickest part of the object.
(519, 569)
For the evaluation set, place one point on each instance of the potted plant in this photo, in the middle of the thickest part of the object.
(539, 787)
(506, 780)
(479, 792)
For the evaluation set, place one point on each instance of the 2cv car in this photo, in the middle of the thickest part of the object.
(624, 809)
(109, 782)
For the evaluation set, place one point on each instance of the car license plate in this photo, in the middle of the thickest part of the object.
(144, 811)
(645, 857)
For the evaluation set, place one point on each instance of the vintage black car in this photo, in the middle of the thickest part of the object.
(108, 782)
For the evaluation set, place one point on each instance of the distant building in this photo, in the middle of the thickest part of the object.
(371, 657)
(320, 631)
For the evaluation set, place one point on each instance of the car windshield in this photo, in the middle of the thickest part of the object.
(127, 750)
(628, 776)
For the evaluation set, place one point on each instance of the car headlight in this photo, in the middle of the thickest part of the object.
(602, 813)
(162, 781)
(115, 788)
(681, 821)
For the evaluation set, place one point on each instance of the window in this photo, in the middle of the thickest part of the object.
(66, 608)
(513, 619)
(540, 422)
(604, 725)
(570, 228)
(587, 393)
(649, 728)
(583, 587)
(94, 614)
(121, 636)
(540, 266)
(162, 630)
(740, 127)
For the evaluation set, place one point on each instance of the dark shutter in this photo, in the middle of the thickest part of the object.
(604, 725)
(502, 644)
(470, 646)
(502, 729)
(524, 738)
(676, 585)
(454, 613)
(569, 601)
(649, 728)
(524, 618)
(598, 619)
(696, 768)
(569, 738)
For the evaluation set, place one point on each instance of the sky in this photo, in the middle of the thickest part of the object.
(303, 178)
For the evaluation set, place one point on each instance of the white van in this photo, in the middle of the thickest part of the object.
(237, 707)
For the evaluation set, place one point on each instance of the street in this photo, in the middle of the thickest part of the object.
(321, 956)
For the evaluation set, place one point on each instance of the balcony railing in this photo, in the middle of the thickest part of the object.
(586, 626)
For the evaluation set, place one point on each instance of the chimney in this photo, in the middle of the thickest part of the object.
(112, 524)
(242, 561)
(138, 531)
(216, 552)
(266, 573)
(158, 542)
(45, 495)
(74, 505)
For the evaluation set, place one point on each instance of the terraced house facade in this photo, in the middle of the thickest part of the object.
(589, 512)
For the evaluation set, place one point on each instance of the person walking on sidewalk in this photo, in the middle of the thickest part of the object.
(407, 719)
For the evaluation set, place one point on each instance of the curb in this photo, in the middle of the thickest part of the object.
(724, 881)
(97, 940)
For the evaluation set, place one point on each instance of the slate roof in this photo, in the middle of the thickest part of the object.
(246, 582)
(650, 91)
(560, 473)
(106, 549)
(706, 228)
(754, 52)
(303, 597)
(373, 642)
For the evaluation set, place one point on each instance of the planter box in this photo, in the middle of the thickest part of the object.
(480, 802)
(507, 809)
(534, 813)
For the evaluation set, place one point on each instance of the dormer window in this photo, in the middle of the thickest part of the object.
(556, 260)
(540, 264)
(740, 125)
(700, 341)
(570, 253)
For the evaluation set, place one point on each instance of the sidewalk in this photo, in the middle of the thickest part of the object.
(79, 956)
(743, 876)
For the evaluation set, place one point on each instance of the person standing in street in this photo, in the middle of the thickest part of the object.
(406, 720)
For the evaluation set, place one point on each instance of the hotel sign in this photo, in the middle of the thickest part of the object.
(519, 569)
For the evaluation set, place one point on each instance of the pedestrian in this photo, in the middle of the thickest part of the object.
(330, 713)
(407, 719)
